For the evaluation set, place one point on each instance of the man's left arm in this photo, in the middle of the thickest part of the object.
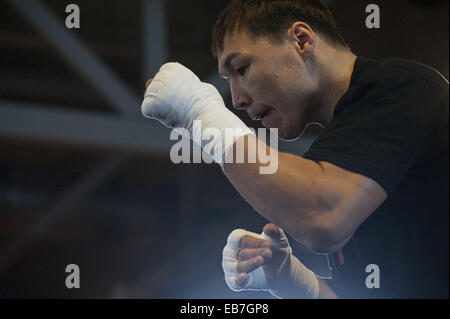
(320, 204)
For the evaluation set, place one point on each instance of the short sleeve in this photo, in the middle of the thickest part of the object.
(383, 133)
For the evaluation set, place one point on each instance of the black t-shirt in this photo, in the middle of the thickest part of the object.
(392, 126)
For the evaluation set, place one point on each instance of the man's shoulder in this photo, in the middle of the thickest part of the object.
(393, 81)
(390, 73)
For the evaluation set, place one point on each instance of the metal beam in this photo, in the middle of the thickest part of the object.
(85, 130)
(99, 131)
(154, 35)
(109, 86)
(79, 56)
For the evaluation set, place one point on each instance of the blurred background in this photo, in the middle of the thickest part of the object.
(85, 180)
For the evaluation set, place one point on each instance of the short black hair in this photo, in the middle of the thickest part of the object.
(272, 18)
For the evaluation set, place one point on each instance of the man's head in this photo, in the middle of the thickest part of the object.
(273, 53)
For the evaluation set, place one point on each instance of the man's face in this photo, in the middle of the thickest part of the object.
(269, 80)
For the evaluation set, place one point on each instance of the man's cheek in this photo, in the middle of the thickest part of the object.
(267, 91)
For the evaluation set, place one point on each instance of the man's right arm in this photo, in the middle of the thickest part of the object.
(325, 291)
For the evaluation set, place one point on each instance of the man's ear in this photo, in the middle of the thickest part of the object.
(303, 37)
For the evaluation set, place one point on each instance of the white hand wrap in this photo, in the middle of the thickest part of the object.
(257, 278)
(176, 97)
(293, 276)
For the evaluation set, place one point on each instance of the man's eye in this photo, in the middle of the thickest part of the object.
(241, 70)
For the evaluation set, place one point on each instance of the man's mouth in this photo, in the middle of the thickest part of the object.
(260, 116)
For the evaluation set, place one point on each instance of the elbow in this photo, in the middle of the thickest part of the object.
(324, 235)
(324, 242)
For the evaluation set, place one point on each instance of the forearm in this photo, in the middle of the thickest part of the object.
(295, 281)
(325, 291)
(295, 292)
(294, 197)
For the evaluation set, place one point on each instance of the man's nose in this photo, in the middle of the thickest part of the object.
(240, 98)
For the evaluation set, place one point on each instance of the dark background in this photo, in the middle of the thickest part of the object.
(85, 180)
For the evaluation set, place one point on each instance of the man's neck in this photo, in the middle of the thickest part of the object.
(338, 69)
